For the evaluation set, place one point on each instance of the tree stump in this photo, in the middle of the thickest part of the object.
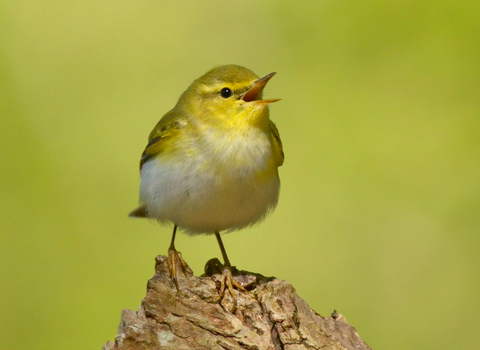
(269, 316)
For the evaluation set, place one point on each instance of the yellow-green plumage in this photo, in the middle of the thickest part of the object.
(211, 162)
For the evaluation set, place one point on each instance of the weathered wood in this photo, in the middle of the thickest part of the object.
(269, 316)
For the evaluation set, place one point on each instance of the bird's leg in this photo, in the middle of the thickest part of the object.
(175, 260)
(228, 282)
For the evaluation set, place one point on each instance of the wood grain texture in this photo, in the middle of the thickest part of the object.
(269, 316)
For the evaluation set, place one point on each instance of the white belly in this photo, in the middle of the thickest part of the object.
(201, 201)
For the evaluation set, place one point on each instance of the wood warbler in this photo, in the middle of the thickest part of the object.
(211, 163)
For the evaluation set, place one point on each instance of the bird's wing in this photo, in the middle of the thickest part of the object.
(165, 129)
(158, 140)
(277, 144)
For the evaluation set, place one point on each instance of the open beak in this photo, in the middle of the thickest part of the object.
(255, 91)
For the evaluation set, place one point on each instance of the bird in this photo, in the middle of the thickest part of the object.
(211, 163)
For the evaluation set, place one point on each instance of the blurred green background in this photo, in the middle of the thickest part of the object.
(379, 213)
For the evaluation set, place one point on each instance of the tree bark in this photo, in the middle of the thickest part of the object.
(269, 316)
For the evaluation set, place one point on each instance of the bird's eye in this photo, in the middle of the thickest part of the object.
(226, 92)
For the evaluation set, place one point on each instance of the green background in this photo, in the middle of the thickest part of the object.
(379, 212)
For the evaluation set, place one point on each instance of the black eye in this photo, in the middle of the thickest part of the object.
(226, 92)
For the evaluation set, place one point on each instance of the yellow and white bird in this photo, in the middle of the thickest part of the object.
(211, 163)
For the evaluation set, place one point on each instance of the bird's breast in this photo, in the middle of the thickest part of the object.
(238, 152)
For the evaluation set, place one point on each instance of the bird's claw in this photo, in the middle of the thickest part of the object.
(228, 282)
(175, 264)
(226, 279)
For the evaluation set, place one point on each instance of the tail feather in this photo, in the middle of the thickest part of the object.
(140, 212)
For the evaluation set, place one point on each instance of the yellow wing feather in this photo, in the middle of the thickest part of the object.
(167, 127)
(277, 144)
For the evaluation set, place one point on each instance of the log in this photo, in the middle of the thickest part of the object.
(270, 315)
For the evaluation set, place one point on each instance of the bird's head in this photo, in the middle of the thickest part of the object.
(228, 95)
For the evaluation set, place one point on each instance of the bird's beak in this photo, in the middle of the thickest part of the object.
(255, 91)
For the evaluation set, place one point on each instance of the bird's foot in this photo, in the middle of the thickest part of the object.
(227, 282)
(175, 264)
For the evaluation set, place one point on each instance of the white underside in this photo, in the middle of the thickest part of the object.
(199, 200)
